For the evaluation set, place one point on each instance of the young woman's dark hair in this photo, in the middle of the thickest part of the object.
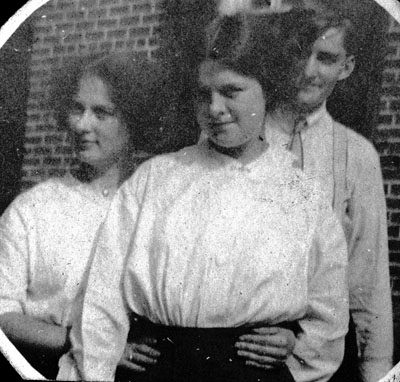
(135, 86)
(263, 46)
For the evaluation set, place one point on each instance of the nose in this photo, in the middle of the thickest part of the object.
(217, 105)
(311, 67)
(83, 122)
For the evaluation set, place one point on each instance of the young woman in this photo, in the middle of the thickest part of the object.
(47, 232)
(210, 243)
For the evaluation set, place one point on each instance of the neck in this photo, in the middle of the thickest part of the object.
(105, 178)
(245, 153)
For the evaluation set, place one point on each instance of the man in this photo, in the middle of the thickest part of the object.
(348, 166)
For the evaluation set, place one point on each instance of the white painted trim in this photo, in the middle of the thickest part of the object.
(18, 18)
(17, 360)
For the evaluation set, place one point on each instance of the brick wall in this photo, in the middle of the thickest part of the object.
(388, 144)
(64, 28)
(67, 28)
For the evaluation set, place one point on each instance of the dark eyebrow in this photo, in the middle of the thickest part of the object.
(104, 109)
(232, 87)
(329, 56)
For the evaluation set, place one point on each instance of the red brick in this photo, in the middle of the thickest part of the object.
(108, 23)
(77, 15)
(385, 119)
(153, 41)
(129, 21)
(390, 174)
(394, 37)
(32, 162)
(150, 19)
(37, 173)
(141, 43)
(390, 161)
(41, 51)
(95, 35)
(53, 17)
(394, 148)
(395, 189)
(51, 40)
(85, 25)
(393, 232)
(88, 3)
(33, 140)
(109, 2)
(119, 11)
(391, 91)
(106, 46)
(143, 31)
(141, 7)
(53, 139)
(395, 218)
(393, 204)
(389, 77)
(117, 34)
(52, 161)
(41, 151)
(97, 13)
(57, 172)
(73, 38)
(394, 245)
(64, 150)
(43, 29)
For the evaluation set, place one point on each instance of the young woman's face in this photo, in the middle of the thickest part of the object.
(230, 106)
(100, 137)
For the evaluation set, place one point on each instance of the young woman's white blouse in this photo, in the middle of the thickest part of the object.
(46, 236)
(196, 239)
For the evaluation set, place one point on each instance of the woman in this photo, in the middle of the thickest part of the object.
(47, 232)
(203, 245)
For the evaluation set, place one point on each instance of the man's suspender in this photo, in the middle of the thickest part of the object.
(340, 157)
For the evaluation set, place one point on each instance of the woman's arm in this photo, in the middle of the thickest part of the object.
(35, 335)
(319, 344)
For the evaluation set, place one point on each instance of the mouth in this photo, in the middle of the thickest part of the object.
(308, 86)
(83, 144)
(218, 126)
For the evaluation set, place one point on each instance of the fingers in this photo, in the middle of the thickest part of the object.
(261, 361)
(143, 356)
(261, 351)
(138, 356)
(273, 336)
(131, 366)
(145, 350)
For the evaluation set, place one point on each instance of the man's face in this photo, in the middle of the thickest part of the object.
(327, 64)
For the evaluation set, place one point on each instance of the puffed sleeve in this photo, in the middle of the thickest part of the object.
(16, 226)
(366, 229)
(320, 342)
(99, 337)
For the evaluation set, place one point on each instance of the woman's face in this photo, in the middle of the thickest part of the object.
(100, 137)
(230, 106)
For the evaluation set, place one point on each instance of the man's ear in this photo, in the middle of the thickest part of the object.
(348, 67)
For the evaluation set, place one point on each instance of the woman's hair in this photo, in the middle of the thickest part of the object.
(134, 85)
(263, 46)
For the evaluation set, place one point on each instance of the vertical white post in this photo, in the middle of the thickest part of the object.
(276, 5)
(230, 7)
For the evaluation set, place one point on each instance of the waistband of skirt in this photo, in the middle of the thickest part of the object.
(143, 325)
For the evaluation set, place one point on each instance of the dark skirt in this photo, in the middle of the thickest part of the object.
(348, 370)
(197, 355)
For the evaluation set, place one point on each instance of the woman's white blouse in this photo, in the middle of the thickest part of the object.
(197, 239)
(46, 236)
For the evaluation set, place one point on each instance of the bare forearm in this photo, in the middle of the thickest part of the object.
(30, 333)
